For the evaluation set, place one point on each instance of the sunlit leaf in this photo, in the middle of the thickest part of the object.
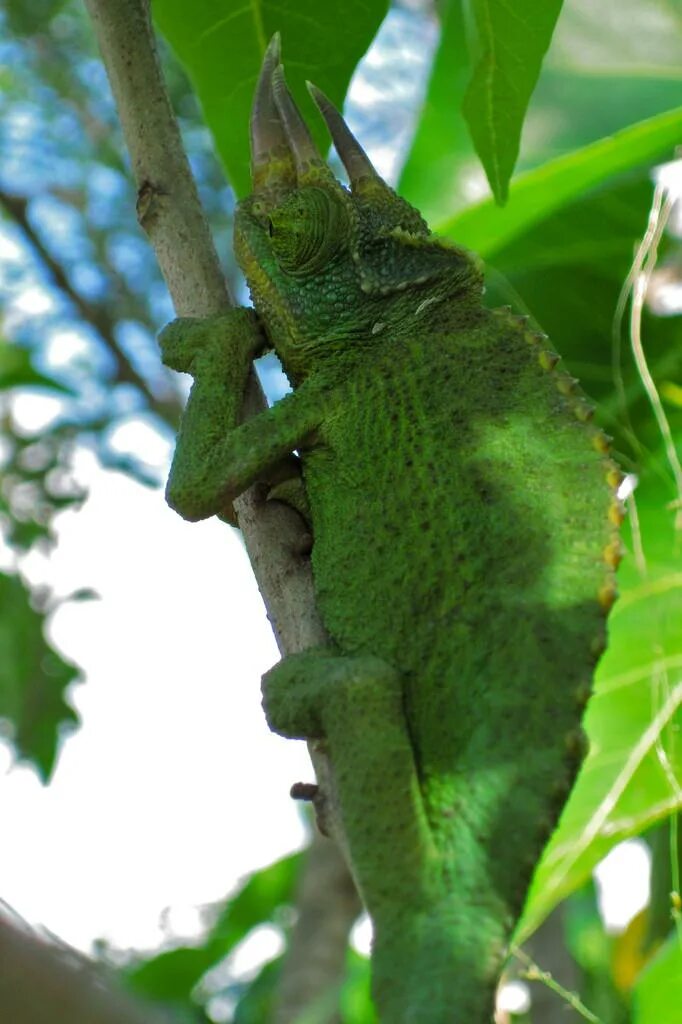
(221, 46)
(33, 679)
(538, 193)
(659, 989)
(632, 777)
(511, 39)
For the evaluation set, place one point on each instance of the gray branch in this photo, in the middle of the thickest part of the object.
(45, 983)
(327, 903)
(170, 213)
(17, 208)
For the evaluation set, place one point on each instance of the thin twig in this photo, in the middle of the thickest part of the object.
(533, 973)
(16, 208)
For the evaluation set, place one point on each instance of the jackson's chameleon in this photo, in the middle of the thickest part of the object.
(465, 532)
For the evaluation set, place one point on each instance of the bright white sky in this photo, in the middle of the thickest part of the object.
(173, 787)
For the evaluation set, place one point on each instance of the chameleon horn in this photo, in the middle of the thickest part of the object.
(271, 163)
(309, 163)
(355, 160)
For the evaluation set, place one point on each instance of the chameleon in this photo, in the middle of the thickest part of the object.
(465, 537)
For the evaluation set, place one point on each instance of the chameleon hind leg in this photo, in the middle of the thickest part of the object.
(355, 705)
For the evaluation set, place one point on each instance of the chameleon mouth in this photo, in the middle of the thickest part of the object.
(283, 154)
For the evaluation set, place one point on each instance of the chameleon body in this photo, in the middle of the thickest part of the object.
(465, 539)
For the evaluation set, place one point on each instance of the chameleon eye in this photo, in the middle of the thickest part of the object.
(306, 229)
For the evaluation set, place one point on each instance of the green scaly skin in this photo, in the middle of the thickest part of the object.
(465, 540)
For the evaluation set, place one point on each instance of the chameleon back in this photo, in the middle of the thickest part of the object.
(466, 532)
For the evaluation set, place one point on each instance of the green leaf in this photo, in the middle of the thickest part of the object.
(632, 776)
(172, 975)
(536, 194)
(257, 1002)
(441, 144)
(659, 989)
(512, 39)
(33, 679)
(16, 370)
(221, 46)
(569, 268)
(355, 1000)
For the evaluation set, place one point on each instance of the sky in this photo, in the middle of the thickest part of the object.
(173, 788)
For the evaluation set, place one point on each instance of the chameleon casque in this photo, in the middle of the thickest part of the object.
(465, 539)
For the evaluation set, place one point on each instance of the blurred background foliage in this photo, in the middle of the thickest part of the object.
(81, 300)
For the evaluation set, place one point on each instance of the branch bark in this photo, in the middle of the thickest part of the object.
(43, 983)
(16, 208)
(327, 903)
(170, 213)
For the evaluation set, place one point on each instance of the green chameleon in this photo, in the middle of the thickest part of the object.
(465, 538)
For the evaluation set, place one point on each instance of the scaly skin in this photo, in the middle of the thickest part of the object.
(465, 540)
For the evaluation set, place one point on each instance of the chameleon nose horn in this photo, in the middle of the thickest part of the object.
(355, 160)
(271, 161)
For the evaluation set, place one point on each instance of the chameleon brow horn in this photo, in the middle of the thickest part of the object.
(355, 160)
(365, 181)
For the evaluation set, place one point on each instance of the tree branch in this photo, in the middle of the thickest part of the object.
(170, 212)
(327, 904)
(43, 983)
(16, 207)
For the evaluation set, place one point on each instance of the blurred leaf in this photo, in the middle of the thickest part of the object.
(256, 1004)
(540, 192)
(441, 143)
(83, 594)
(356, 1003)
(33, 679)
(16, 370)
(628, 952)
(222, 45)
(625, 53)
(632, 775)
(659, 989)
(512, 40)
(666, 870)
(173, 974)
(27, 19)
(570, 269)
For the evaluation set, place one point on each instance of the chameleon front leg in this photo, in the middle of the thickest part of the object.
(354, 705)
(216, 460)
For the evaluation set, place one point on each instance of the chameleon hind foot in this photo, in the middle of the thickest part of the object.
(355, 705)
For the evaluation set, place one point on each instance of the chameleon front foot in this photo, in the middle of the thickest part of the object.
(189, 342)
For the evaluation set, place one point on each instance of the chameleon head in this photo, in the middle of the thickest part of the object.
(332, 268)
